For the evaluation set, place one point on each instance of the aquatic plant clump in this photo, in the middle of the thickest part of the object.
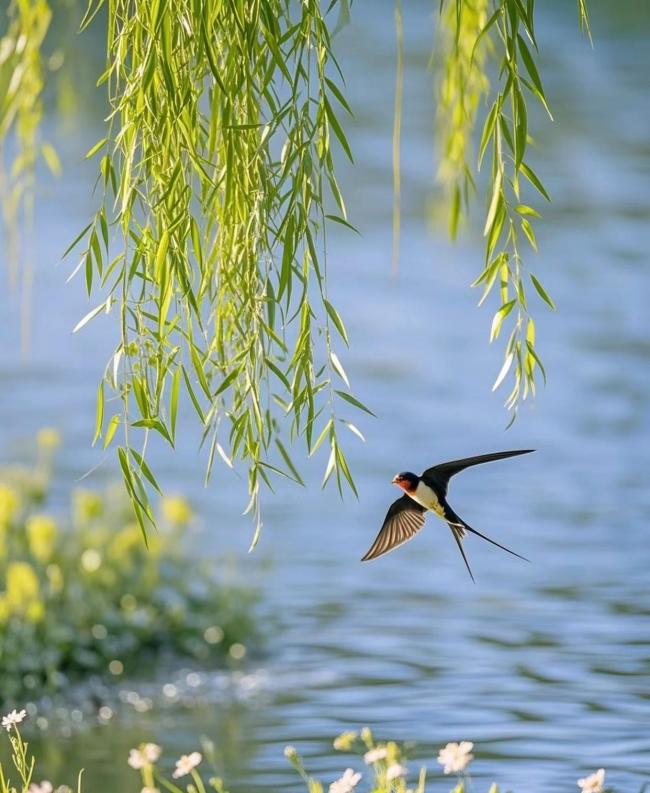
(83, 595)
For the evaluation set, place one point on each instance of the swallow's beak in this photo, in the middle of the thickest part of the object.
(395, 480)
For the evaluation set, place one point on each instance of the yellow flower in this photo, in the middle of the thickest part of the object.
(126, 541)
(35, 611)
(22, 586)
(86, 505)
(5, 611)
(55, 578)
(9, 504)
(41, 533)
(48, 438)
(176, 510)
(345, 740)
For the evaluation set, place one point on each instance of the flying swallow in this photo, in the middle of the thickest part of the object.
(425, 493)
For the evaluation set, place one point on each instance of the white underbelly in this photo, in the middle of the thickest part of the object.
(425, 496)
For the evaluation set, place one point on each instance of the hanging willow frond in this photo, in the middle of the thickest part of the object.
(473, 33)
(397, 133)
(463, 84)
(218, 180)
(21, 113)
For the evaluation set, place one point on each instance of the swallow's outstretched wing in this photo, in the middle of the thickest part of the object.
(458, 528)
(403, 520)
(439, 475)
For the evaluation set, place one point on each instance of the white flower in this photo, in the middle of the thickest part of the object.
(395, 771)
(151, 752)
(44, 787)
(347, 783)
(374, 755)
(186, 764)
(147, 754)
(455, 757)
(136, 759)
(13, 718)
(149, 790)
(595, 783)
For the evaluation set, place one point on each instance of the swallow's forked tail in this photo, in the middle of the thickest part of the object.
(458, 532)
(458, 528)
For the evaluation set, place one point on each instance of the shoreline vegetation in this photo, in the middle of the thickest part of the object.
(82, 596)
(382, 765)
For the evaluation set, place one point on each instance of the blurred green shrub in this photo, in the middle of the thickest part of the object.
(84, 595)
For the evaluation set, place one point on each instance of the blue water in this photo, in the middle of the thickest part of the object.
(545, 666)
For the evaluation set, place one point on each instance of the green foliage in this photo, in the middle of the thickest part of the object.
(462, 85)
(84, 596)
(397, 131)
(24, 762)
(475, 34)
(21, 113)
(218, 180)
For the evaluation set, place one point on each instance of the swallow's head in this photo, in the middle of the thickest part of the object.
(406, 480)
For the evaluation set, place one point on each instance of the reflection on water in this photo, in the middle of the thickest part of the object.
(544, 665)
